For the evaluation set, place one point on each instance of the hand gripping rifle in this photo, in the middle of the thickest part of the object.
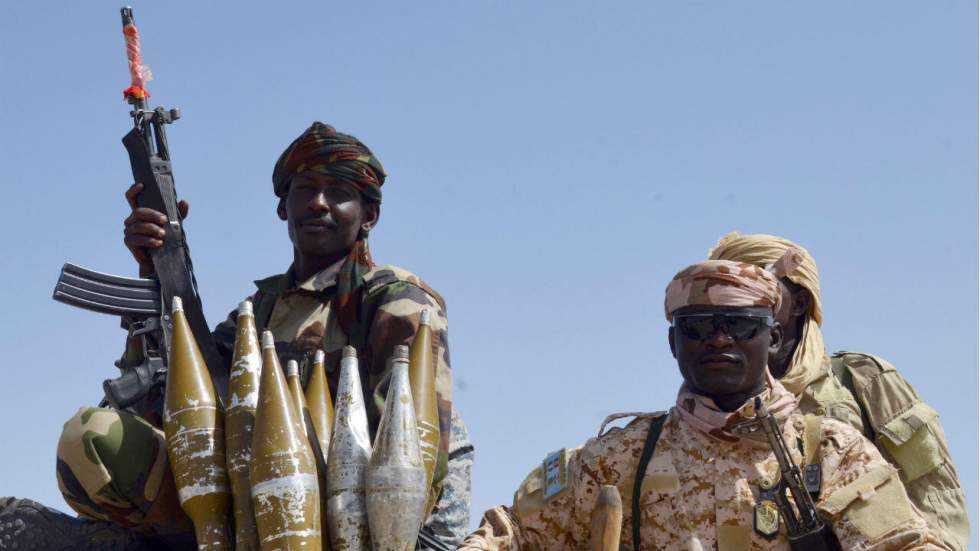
(806, 530)
(144, 303)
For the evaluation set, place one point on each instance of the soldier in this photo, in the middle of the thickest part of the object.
(860, 389)
(112, 465)
(705, 481)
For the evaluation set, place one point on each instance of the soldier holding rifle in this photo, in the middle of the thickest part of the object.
(112, 463)
(733, 465)
(328, 186)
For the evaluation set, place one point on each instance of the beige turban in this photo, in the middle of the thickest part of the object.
(721, 283)
(768, 251)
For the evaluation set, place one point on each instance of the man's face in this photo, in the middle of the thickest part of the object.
(324, 215)
(794, 307)
(722, 351)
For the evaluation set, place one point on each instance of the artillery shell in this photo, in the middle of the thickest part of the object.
(422, 375)
(243, 394)
(350, 451)
(285, 492)
(194, 427)
(396, 491)
(321, 417)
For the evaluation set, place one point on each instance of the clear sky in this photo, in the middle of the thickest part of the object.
(552, 165)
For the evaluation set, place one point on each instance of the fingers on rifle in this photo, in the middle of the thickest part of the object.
(136, 242)
(148, 229)
(143, 214)
(131, 194)
(183, 206)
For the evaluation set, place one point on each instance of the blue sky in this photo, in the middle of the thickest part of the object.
(551, 166)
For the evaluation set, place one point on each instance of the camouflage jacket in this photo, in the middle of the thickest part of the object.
(301, 320)
(867, 393)
(699, 493)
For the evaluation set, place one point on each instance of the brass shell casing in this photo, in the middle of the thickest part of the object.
(396, 491)
(194, 428)
(243, 395)
(350, 451)
(285, 492)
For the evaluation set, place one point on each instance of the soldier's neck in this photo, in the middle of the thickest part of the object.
(307, 266)
(731, 402)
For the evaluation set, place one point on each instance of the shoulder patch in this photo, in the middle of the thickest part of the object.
(554, 472)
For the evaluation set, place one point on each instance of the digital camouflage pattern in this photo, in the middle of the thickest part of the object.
(721, 283)
(698, 494)
(301, 319)
(867, 393)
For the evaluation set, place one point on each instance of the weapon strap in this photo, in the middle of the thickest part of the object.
(656, 426)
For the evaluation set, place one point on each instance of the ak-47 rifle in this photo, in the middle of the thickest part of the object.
(144, 303)
(806, 530)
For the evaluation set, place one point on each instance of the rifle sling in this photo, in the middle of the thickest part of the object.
(656, 426)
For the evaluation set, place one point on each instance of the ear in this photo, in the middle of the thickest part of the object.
(670, 340)
(372, 212)
(775, 338)
(281, 209)
(801, 302)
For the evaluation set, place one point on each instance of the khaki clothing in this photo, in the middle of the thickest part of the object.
(867, 393)
(699, 493)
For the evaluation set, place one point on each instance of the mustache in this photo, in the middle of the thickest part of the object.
(318, 221)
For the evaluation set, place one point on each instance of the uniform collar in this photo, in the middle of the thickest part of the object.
(286, 283)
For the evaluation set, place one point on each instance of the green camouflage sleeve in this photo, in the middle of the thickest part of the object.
(394, 311)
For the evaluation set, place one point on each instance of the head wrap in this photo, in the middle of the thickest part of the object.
(322, 149)
(765, 250)
(722, 283)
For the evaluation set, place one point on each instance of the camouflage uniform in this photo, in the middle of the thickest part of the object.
(699, 493)
(869, 394)
(865, 392)
(113, 466)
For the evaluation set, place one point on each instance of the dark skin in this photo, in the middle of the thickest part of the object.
(727, 370)
(324, 217)
(794, 309)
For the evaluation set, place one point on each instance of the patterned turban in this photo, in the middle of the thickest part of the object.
(722, 283)
(322, 149)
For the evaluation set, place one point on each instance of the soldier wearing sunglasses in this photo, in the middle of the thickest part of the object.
(701, 476)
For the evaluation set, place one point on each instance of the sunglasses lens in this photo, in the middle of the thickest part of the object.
(704, 327)
(741, 328)
(696, 327)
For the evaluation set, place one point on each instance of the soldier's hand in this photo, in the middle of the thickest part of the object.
(144, 229)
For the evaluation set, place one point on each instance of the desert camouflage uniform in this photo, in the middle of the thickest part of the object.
(698, 493)
(906, 430)
(113, 466)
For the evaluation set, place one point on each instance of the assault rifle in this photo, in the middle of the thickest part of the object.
(144, 303)
(806, 530)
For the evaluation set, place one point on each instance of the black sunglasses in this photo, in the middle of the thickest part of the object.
(737, 326)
